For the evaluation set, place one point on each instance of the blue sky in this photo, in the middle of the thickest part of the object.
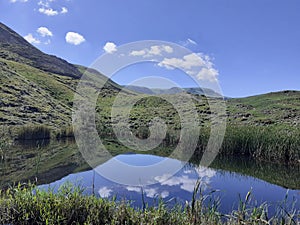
(253, 45)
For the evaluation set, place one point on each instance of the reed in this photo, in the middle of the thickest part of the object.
(263, 143)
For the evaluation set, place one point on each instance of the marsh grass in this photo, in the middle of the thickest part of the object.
(65, 132)
(263, 143)
(36, 132)
(270, 143)
(27, 204)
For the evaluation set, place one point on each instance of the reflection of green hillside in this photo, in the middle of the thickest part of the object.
(284, 176)
(45, 160)
(55, 160)
(46, 163)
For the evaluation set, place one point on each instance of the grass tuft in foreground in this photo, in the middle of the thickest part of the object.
(29, 205)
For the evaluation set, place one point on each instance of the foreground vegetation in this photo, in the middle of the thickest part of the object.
(30, 205)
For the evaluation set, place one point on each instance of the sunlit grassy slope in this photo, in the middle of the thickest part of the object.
(37, 89)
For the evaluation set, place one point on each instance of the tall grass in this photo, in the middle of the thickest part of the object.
(34, 132)
(264, 143)
(29, 205)
(65, 132)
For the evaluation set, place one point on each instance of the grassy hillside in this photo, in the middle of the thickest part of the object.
(279, 108)
(15, 48)
(37, 91)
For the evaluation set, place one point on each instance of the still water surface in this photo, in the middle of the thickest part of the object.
(177, 188)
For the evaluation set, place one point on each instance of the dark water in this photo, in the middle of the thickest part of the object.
(178, 188)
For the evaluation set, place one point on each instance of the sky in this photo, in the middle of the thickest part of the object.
(248, 47)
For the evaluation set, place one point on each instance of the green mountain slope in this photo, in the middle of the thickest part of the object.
(15, 48)
(278, 108)
(36, 88)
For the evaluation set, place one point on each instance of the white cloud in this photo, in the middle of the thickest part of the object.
(45, 8)
(110, 47)
(186, 63)
(195, 64)
(48, 11)
(63, 10)
(31, 39)
(44, 31)
(105, 192)
(190, 41)
(44, 4)
(168, 49)
(209, 74)
(74, 38)
(154, 50)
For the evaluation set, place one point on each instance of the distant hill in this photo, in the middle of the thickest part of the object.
(173, 90)
(140, 89)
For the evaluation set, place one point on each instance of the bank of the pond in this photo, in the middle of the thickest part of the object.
(29, 205)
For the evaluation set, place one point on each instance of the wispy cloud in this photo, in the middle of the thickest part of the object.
(63, 10)
(44, 31)
(110, 47)
(74, 38)
(190, 41)
(31, 39)
(48, 11)
(45, 8)
(154, 50)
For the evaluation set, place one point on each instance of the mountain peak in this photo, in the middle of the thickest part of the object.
(14, 47)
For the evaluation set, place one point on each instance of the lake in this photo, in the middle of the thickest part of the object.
(55, 163)
(177, 188)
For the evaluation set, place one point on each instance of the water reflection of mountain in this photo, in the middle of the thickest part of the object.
(50, 161)
(43, 161)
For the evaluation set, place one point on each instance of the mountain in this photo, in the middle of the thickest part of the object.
(139, 89)
(37, 89)
(16, 48)
(173, 90)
